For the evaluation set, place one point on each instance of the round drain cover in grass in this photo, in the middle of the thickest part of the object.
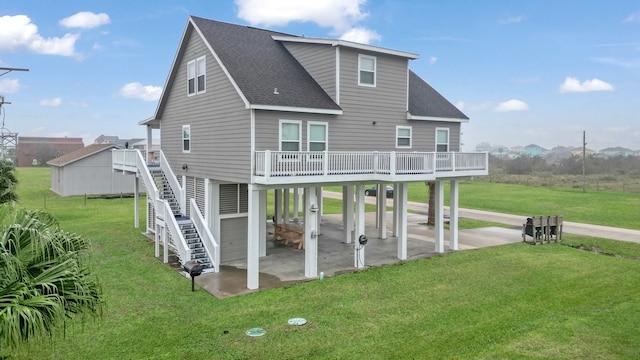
(256, 332)
(297, 321)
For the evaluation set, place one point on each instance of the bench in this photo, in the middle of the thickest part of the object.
(288, 233)
(543, 228)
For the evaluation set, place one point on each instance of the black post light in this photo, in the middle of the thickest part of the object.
(193, 268)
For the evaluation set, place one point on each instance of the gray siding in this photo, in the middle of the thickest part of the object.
(92, 175)
(233, 239)
(320, 63)
(385, 104)
(220, 124)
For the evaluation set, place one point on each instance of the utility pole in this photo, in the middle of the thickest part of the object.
(584, 159)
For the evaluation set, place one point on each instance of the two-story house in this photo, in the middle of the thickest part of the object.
(246, 110)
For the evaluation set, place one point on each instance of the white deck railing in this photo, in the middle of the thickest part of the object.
(211, 246)
(179, 243)
(292, 163)
(178, 190)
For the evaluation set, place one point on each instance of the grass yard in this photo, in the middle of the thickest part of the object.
(507, 302)
(599, 208)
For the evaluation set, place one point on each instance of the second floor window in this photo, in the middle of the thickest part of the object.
(366, 70)
(317, 136)
(196, 76)
(186, 138)
(442, 140)
(290, 134)
(403, 136)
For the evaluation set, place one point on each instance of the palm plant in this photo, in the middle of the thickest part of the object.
(8, 181)
(44, 276)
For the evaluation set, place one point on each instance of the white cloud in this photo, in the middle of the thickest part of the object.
(9, 85)
(618, 129)
(572, 85)
(433, 60)
(512, 105)
(634, 17)
(472, 107)
(632, 64)
(360, 35)
(512, 20)
(85, 20)
(341, 16)
(18, 32)
(136, 90)
(55, 102)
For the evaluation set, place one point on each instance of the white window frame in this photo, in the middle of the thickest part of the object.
(294, 157)
(448, 139)
(186, 129)
(317, 157)
(194, 65)
(398, 128)
(360, 70)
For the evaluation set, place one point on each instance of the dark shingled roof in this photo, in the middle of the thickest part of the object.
(426, 101)
(79, 154)
(258, 64)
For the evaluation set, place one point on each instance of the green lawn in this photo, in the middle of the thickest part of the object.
(508, 302)
(596, 207)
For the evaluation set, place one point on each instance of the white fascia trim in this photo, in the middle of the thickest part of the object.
(435, 118)
(334, 42)
(224, 69)
(295, 109)
(147, 120)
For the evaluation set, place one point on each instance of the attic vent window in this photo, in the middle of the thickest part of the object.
(196, 76)
(366, 70)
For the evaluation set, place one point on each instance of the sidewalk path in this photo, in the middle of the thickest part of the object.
(517, 220)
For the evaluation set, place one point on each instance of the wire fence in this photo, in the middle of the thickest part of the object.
(625, 184)
(50, 201)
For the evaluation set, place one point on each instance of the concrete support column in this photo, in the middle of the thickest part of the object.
(347, 192)
(253, 239)
(165, 237)
(285, 219)
(157, 237)
(453, 214)
(296, 204)
(320, 206)
(136, 202)
(358, 258)
(311, 214)
(263, 222)
(401, 190)
(396, 213)
(381, 211)
(439, 217)
(277, 205)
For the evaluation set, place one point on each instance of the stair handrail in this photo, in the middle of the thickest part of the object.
(177, 189)
(182, 249)
(210, 244)
(147, 178)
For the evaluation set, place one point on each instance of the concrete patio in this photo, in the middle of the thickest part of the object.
(285, 264)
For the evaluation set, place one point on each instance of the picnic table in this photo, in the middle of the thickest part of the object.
(289, 233)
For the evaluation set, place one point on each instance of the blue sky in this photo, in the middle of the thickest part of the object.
(524, 71)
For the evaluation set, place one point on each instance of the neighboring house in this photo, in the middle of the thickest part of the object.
(88, 171)
(246, 110)
(616, 151)
(106, 139)
(534, 150)
(32, 149)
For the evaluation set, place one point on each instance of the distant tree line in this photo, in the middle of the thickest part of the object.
(593, 165)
